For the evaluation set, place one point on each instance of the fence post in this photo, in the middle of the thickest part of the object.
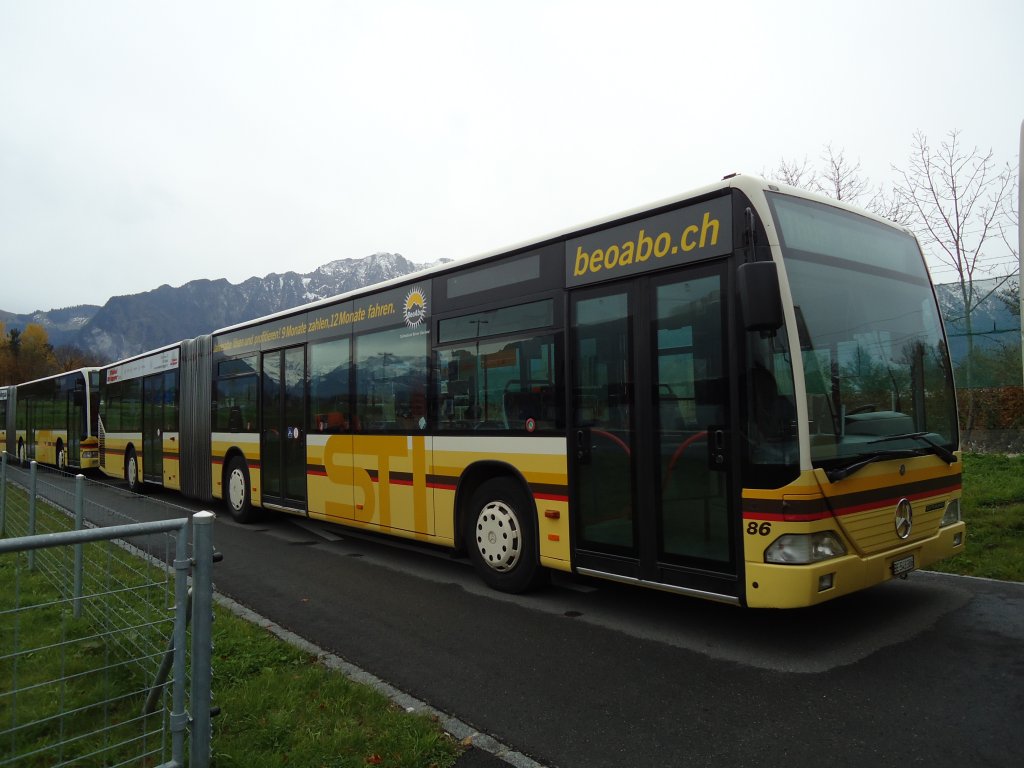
(33, 472)
(79, 552)
(179, 715)
(202, 638)
(3, 492)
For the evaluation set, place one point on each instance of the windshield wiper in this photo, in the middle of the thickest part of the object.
(840, 473)
(943, 453)
(835, 475)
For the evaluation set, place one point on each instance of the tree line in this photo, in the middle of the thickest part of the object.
(27, 354)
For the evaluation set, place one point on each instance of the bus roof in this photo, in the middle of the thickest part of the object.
(73, 372)
(753, 186)
(438, 269)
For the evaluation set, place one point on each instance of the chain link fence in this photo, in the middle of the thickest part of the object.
(98, 664)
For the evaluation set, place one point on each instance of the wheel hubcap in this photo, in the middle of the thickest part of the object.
(498, 536)
(236, 489)
(133, 471)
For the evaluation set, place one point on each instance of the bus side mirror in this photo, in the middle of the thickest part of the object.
(760, 301)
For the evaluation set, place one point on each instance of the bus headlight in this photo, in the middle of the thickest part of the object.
(952, 513)
(804, 548)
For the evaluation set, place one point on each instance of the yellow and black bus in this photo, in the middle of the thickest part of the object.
(138, 427)
(742, 394)
(6, 406)
(53, 420)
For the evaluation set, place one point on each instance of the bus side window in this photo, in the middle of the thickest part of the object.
(235, 404)
(499, 385)
(330, 398)
(391, 381)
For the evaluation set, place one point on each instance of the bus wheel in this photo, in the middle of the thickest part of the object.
(131, 472)
(237, 491)
(500, 537)
(62, 463)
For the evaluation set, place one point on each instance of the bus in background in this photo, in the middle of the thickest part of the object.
(138, 424)
(55, 420)
(741, 394)
(6, 406)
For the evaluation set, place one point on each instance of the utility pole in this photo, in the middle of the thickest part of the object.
(1020, 245)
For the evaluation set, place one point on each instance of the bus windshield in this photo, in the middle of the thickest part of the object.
(877, 371)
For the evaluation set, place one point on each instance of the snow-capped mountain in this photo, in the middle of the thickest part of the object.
(128, 325)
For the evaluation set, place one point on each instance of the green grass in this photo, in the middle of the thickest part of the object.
(56, 671)
(282, 708)
(279, 705)
(993, 508)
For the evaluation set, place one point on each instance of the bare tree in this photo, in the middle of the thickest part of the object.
(890, 204)
(958, 202)
(840, 179)
(795, 173)
(1008, 231)
(70, 357)
(1010, 296)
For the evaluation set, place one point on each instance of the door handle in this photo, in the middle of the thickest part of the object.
(718, 446)
(583, 446)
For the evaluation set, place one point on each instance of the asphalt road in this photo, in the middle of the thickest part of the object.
(587, 674)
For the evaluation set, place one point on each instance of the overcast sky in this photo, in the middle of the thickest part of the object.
(144, 143)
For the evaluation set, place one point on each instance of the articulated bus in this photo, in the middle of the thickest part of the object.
(138, 427)
(742, 394)
(6, 405)
(53, 420)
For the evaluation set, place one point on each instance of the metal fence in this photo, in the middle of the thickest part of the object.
(95, 666)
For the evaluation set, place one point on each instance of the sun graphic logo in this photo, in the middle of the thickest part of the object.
(415, 310)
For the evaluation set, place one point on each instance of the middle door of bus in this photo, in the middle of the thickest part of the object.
(33, 412)
(650, 431)
(283, 445)
(76, 424)
(152, 429)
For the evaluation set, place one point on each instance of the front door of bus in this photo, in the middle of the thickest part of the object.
(649, 439)
(283, 450)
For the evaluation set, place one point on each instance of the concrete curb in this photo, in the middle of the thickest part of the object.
(458, 729)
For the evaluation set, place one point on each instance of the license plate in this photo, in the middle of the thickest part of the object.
(903, 565)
